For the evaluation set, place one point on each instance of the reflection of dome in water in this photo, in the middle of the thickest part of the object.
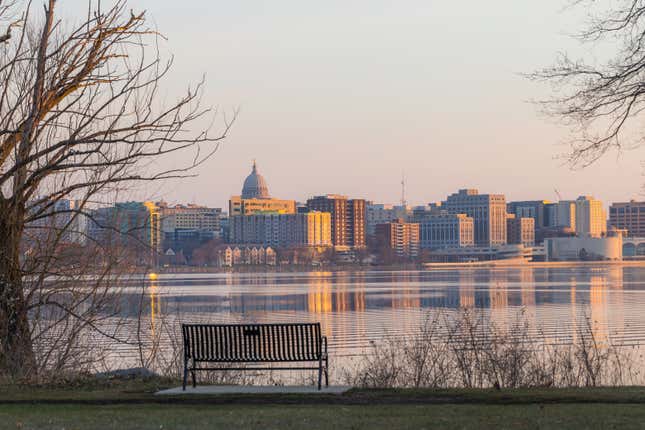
(255, 187)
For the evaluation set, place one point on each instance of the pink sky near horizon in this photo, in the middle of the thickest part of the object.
(343, 96)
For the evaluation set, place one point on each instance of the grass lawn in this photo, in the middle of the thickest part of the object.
(156, 416)
(130, 404)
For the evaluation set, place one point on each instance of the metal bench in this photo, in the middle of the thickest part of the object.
(235, 344)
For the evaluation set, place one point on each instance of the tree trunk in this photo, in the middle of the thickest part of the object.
(16, 350)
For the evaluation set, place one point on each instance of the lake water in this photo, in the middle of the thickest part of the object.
(356, 308)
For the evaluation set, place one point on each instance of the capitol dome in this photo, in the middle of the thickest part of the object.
(255, 187)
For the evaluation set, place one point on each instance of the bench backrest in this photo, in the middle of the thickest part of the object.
(252, 342)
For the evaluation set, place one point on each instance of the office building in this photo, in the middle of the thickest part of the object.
(539, 210)
(446, 230)
(348, 218)
(628, 216)
(57, 222)
(185, 226)
(135, 226)
(520, 231)
(488, 212)
(565, 214)
(400, 236)
(282, 230)
(591, 217)
(382, 214)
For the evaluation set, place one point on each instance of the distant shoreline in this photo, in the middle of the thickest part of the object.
(400, 267)
(538, 264)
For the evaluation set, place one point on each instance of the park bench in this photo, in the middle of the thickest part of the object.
(234, 346)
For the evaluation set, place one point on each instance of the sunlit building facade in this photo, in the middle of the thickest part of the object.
(591, 217)
(520, 230)
(282, 230)
(400, 236)
(628, 216)
(446, 231)
(348, 218)
(488, 212)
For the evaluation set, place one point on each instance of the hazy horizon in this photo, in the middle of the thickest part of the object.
(342, 97)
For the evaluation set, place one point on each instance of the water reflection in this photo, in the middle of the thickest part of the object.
(356, 307)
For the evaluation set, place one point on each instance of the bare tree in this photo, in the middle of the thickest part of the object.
(602, 100)
(80, 118)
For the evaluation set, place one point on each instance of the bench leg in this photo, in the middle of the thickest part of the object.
(326, 373)
(183, 387)
(320, 372)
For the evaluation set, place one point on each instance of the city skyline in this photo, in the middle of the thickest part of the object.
(556, 194)
(346, 98)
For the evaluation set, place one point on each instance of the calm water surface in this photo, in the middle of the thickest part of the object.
(356, 308)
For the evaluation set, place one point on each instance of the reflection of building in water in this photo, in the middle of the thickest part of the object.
(527, 286)
(405, 296)
(616, 300)
(466, 289)
(319, 296)
(574, 310)
(598, 304)
(498, 291)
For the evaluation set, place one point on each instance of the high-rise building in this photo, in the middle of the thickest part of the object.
(565, 214)
(591, 217)
(628, 216)
(184, 226)
(255, 198)
(348, 218)
(382, 214)
(445, 230)
(282, 230)
(61, 221)
(520, 230)
(536, 209)
(132, 225)
(400, 236)
(488, 212)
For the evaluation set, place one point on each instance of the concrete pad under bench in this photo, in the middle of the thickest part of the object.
(254, 389)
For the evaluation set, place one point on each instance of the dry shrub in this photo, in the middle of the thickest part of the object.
(472, 352)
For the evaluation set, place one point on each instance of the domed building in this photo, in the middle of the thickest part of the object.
(255, 187)
(255, 198)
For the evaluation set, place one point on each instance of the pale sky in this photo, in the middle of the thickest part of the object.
(341, 96)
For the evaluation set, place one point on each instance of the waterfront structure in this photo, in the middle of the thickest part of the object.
(348, 218)
(400, 236)
(628, 216)
(591, 217)
(255, 198)
(520, 230)
(382, 214)
(584, 248)
(282, 230)
(488, 212)
(230, 256)
(444, 230)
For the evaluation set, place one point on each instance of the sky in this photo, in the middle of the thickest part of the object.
(343, 96)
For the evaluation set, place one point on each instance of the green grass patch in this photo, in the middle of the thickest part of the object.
(126, 404)
(337, 417)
